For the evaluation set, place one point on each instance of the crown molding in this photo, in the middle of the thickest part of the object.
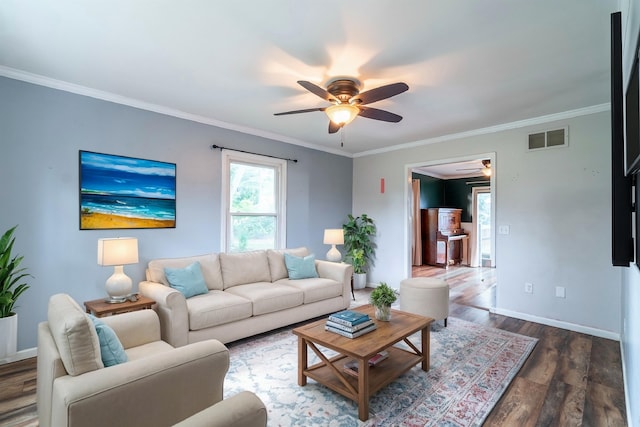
(493, 129)
(40, 80)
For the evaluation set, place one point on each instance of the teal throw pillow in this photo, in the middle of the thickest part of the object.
(188, 280)
(300, 267)
(111, 350)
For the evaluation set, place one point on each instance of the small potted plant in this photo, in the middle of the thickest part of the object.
(10, 289)
(382, 297)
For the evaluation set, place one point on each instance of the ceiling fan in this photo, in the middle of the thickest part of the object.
(485, 169)
(348, 102)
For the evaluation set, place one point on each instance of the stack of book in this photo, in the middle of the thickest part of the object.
(350, 324)
(351, 367)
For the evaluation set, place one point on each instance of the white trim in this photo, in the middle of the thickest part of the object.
(40, 80)
(559, 324)
(493, 129)
(21, 355)
(408, 197)
(156, 108)
(280, 166)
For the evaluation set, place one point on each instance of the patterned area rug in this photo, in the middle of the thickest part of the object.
(471, 366)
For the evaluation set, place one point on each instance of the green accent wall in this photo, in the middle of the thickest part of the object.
(449, 193)
(431, 191)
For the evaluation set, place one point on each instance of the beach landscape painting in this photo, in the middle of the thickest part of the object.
(118, 192)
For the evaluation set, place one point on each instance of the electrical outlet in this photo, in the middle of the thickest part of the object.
(528, 287)
(560, 292)
(503, 229)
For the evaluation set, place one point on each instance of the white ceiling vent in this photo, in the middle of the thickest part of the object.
(549, 139)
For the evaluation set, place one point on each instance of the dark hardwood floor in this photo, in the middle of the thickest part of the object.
(570, 379)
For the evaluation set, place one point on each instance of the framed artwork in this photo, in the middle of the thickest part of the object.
(118, 192)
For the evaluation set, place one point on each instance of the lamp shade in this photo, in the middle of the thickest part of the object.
(342, 114)
(118, 251)
(333, 236)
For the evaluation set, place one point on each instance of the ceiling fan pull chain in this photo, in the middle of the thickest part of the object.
(342, 137)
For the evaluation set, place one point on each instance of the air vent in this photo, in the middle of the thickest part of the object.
(549, 139)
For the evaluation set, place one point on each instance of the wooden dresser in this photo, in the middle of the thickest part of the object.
(441, 236)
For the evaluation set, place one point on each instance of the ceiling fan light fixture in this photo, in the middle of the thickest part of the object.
(342, 114)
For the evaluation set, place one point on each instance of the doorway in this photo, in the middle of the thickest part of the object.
(482, 248)
(480, 270)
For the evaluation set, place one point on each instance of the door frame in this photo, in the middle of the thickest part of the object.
(476, 260)
(408, 213)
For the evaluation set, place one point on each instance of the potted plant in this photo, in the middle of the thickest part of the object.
(358, 245)
(382, 297)
(11, 276)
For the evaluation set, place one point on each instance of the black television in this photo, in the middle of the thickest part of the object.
(622, 250)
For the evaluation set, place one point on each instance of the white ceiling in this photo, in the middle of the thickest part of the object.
(469, 64)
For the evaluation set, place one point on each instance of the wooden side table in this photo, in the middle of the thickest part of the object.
(100, 308)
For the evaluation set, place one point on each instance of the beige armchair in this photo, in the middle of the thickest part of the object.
(159, 385)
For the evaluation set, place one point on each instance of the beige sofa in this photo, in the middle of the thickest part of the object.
(249, 293)
(158, 385)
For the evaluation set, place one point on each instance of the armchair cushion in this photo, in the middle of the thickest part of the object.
(301, 267)
(188, 280)
(74, 335)
(111, 350)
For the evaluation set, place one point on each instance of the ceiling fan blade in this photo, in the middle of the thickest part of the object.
(308, 110)
(333, 128)
(317, 90)
(376, 114)
(382, 92)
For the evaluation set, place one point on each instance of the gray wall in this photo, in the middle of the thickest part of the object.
(557, 203)
(41, 132)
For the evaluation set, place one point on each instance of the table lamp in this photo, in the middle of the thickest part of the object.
(333, 237)
(118, 252)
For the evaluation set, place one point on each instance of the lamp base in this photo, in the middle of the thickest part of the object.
(116, 300)
(118, 286)
(334, 254)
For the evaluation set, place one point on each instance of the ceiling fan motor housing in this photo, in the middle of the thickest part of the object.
(344, 89)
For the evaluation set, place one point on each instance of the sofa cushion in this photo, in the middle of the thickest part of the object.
(317, 289)
(74, 335)
(209, 265)
(276, 261)
(188, 280)
(268, 297)
(216, 308)
(300, 267)
(111, 350)
(240, 268)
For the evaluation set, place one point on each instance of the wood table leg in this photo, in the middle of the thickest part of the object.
(363, 390)
(302, 361)
(426, 347)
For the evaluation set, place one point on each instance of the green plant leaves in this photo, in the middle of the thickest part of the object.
(10, 274)
(358, 244)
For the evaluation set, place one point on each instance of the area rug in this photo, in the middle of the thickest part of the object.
(471, 366)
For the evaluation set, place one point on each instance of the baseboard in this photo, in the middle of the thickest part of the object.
(559, 324)
(21, 355)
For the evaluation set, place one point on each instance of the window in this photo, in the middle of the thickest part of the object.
(254, 202)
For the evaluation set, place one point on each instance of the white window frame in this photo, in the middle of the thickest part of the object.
(280, 166)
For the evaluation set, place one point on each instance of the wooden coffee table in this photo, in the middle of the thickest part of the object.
(329, 372)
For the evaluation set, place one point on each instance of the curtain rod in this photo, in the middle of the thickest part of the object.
(213, 147)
